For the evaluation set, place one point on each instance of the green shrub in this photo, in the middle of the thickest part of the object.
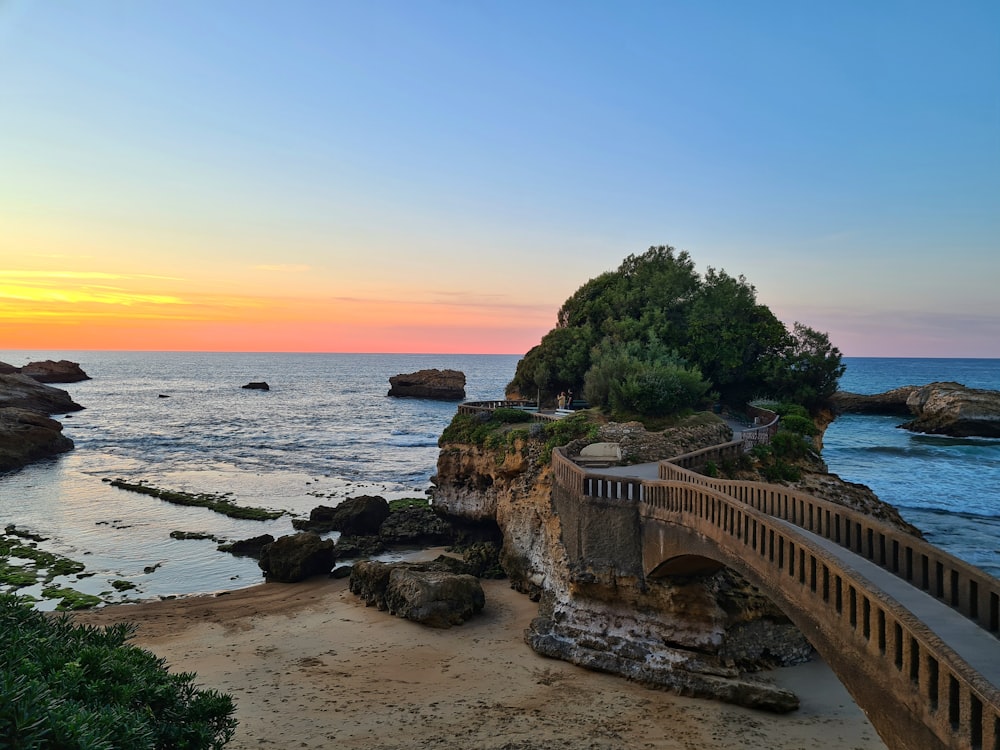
(511, 416)
(798, 425)
(78, 687)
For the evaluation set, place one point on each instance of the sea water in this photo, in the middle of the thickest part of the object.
(947, 487)
(326, 430)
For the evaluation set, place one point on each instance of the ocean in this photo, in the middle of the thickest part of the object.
(326, 431)
(949, 488)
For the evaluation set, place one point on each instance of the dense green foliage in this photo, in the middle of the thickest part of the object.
(654, 337)
(500, 429)
(76, 687)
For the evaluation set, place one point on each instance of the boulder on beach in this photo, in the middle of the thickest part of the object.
(420, 592)
(296, 557)
(442, 385)
(257, 386)
(954, 410)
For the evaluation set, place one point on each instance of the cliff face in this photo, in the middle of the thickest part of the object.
(695, 636)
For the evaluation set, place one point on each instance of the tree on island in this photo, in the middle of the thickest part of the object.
(654, 338)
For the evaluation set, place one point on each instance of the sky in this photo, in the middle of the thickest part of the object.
(425, 176)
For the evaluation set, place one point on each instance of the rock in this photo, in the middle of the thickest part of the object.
(27, 436)
(251, 547)
(49, 371)
(418, 592)
(416, 526)
(683, 672)
(890, 403)
(343, 571)
(355, 516)
(6, 369)
(296, 557)
(24, 392)
(444, 385)
(954, 410)
(258, 386)
(356, 547)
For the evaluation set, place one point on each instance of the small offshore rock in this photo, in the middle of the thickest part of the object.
(251, 547)
(356, 516)
(442, 385)
(258, 386)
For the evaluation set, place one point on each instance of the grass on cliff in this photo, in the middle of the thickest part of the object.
(69, 686)
(218, 503)
(499, 429)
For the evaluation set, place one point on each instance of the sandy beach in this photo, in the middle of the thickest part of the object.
(311, 667)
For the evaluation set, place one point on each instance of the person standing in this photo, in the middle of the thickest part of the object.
(561, 401)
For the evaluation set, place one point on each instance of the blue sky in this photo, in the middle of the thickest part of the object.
(450, 172)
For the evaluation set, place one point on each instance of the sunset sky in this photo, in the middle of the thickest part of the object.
(424, 176)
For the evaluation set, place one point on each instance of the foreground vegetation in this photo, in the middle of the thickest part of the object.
(77, 687)
(654, 338)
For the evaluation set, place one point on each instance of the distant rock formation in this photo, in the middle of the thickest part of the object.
(954, 410)
(48, 371)
(943, 408)
(442, 385)
(258, 386)
(890, 403)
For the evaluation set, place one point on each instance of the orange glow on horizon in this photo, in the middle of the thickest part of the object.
(105, 312)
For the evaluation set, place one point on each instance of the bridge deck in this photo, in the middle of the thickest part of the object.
(976, 646)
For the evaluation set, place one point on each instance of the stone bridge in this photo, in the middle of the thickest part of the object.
(910, 630)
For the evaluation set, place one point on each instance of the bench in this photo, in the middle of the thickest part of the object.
(600, 454)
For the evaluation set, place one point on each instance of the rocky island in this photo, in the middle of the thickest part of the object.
(944, 408)
(443, 385)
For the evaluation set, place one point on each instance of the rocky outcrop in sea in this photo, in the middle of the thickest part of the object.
(943, 408)
(48, 371)
(27, 433)
(443, 385)
(954, 410)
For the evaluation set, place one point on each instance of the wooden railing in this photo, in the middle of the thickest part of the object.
(955, 701)
(948, 579)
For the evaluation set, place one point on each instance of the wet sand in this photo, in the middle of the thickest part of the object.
(311, 667)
